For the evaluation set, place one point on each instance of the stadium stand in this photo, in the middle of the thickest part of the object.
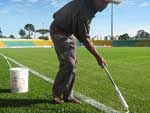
(42, 43)
(143, 43)
(18, 43)
(128, 43)
(14, 43)
(122, 43)
(102, 42)
(1, 44)
(8, 43)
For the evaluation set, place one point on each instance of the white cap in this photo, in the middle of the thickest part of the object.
(114, 1)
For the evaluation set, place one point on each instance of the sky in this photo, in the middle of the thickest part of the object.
(129, 17)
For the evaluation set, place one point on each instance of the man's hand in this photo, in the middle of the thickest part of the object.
(101, 61)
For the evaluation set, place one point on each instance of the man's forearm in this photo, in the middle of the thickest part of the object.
(90, 46)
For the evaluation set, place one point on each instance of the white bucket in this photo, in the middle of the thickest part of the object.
(19, 80)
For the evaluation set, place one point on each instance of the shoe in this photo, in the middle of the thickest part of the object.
(57, 100)
(74, 100)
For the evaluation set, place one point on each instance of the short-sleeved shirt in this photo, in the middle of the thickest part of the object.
(75, 18)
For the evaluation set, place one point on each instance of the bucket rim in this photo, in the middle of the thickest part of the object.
(19, 69)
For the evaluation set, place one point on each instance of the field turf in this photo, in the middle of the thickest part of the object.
(130, 68)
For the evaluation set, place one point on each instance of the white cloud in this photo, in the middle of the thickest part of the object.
(144, 4)
(130, 3)
(25, 1)
(54, 3)
(17, 0)
(58, 3)
(33, 1)
(135, 3)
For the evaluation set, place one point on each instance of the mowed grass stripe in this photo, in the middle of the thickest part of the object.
(129, 67)
(37, 100)
(99, 106)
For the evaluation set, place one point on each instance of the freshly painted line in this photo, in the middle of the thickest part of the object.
(82, 97)
(95, 103)
(32, 71)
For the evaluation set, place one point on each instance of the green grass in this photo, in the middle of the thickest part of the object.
(129, 67)
(37, 100)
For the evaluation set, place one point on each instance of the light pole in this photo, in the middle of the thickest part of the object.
(112, 21)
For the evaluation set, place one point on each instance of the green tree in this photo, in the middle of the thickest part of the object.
(42, 31)
(22, 33)
(0, 33)
(44, 37)
(107, 37)
(30, 28)
(11, 36)
(141, 34)
(124, 37)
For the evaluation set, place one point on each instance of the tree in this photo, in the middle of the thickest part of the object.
(107, 37)
(44, 37)
(42, 31)
(30, 28)
(22, 33)
(0, 33)
(11, 36)
(124, 37)
(141, 34)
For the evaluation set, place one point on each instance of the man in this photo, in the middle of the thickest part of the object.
(71, 22)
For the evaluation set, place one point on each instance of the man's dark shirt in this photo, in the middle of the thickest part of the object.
(75, 18)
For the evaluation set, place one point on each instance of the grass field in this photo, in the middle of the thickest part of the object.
(129, 67)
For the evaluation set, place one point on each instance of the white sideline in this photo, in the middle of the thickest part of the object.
(99, 106)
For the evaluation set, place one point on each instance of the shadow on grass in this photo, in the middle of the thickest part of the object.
(21, 102)
(4, 91)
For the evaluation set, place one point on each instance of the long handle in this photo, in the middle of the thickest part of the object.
(7, 61)
(109, 76)
(119, 94)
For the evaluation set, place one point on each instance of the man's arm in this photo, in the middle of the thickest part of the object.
(82, 34)
(90, 47)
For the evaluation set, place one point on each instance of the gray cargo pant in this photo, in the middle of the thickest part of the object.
(65, 47)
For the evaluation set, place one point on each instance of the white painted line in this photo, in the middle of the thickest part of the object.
(32, 71)
(88, 100)
(95, 103)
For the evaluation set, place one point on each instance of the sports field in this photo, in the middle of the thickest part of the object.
(130, 68)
